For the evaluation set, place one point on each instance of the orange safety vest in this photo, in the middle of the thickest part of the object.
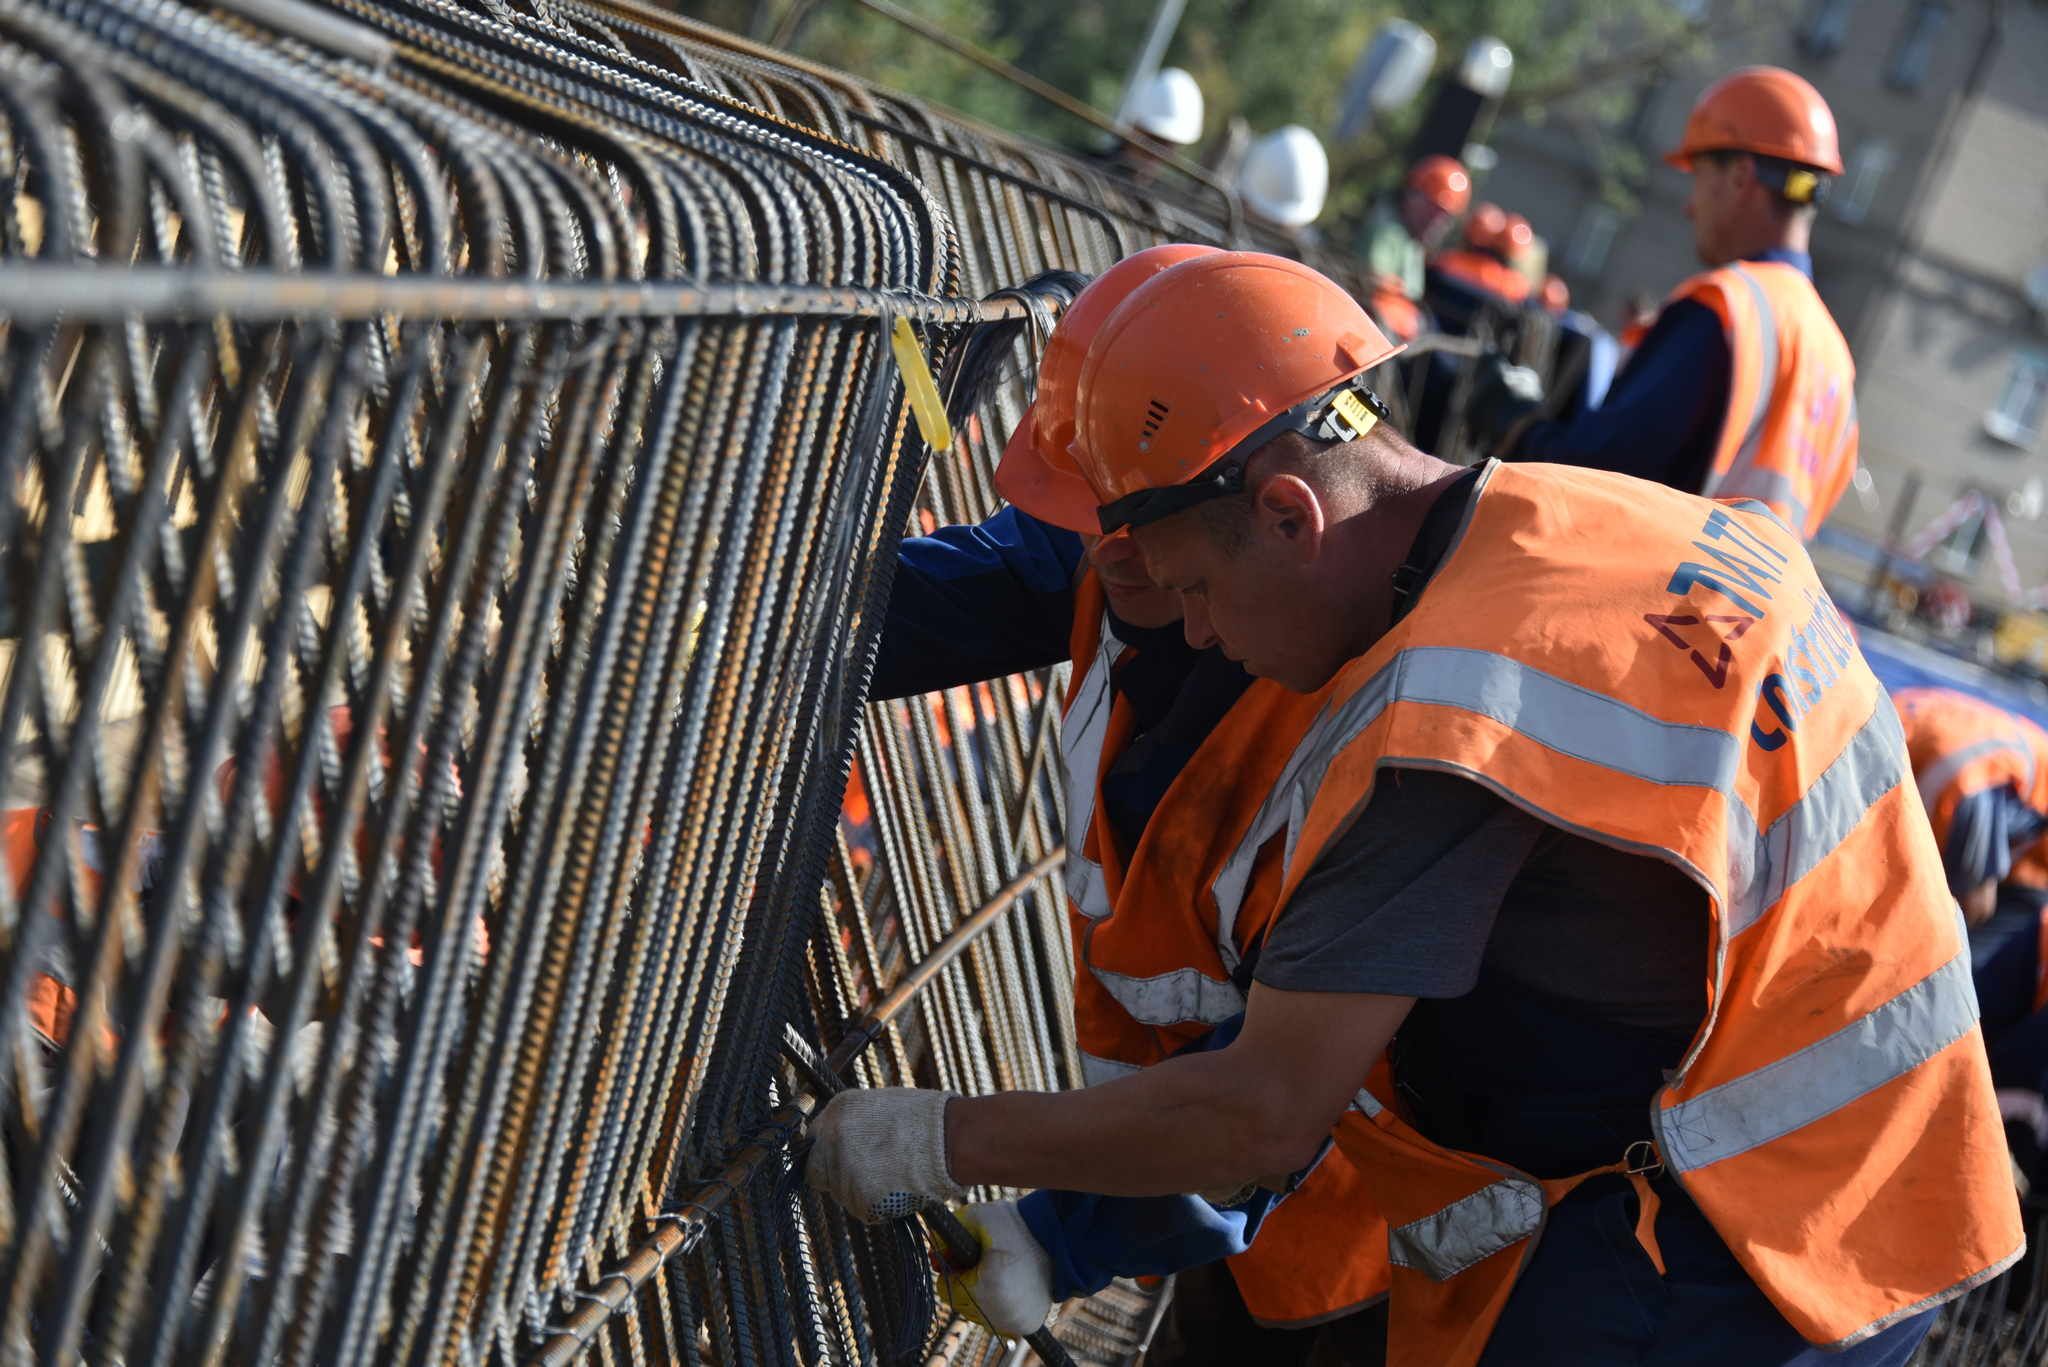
(1158, 932)
(1789, 436)
(1665, 674)
(53, 994)
(1483, 272)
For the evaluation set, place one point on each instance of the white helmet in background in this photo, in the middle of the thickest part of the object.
(1169, 107)
(1285, 177)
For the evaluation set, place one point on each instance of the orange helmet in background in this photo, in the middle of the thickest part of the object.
(1442, 181)
(1487, 229)
(1212, 359)
(1518, 237)
(1036, 473)
(1764, 110)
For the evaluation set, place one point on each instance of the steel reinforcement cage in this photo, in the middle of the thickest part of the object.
(451, 461)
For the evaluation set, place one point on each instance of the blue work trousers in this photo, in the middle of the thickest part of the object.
(1590, 1297)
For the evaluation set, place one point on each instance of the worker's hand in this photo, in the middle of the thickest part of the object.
(1010, 1289)
(1504, 396)
(881, 1152)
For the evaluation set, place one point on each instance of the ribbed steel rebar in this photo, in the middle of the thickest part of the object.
(451, 468)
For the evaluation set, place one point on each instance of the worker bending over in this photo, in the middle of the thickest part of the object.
(1655, 909)
(1983, 775)
(1168, 751)
(1743, 388)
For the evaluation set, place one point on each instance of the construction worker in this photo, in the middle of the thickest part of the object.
(1494, 238)
(1166, 746)
(1744, 387)
(1400, 236)
(1983, 775)
(1602, 810)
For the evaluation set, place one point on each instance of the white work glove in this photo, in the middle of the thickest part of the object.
(1010, 1289)
(881, 1152)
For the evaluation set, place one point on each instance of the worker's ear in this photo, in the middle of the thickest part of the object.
(1742, 175)
(1288, 515)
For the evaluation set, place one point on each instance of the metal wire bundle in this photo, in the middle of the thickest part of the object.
(451, 459)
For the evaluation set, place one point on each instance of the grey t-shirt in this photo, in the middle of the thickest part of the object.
(1560, 976)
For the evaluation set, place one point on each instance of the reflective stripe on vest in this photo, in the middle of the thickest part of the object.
(1800, 1088)
(1081, 738)
(1741, 478)
(1185, 994)
(1467, 1231)
(1096, 1070)
(1575, 721)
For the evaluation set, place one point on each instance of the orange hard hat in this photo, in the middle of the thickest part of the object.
(1036, 473)
(1212, 360)
(1487, 229)
(1557, 296)
(1442, 181)
(1766, 110)
(1519, 237)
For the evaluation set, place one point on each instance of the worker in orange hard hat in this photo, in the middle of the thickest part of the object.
(1165, 747)
(1494, 240)
(1744, 387)
(1601, 810)
(1400, 236)
(1556, 295)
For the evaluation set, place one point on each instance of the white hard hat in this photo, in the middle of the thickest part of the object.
(1169, 107)
(1285, 177)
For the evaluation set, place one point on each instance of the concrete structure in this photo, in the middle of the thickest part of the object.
(1924, 253)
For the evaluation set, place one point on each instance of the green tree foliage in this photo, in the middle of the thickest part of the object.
(1272, 62)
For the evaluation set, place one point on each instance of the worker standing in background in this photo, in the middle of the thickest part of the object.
(1399, 238)
(1678, 982)
(1168, 752)
(1744, 387)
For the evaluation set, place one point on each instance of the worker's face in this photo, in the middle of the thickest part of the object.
(1132, 595)
(1252, 598)
(1425, 220)
(1716, 206)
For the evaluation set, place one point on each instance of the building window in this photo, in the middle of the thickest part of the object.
(1827, 24)
(1866, 169)
(2016, 420)
(1907, 69)
(1591, 240)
